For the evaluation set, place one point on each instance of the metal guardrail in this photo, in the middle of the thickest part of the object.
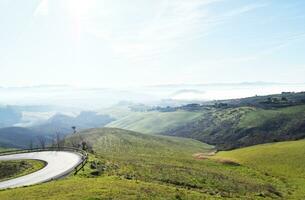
(73, 149)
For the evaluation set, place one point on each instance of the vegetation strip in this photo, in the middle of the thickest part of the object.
(17, 168)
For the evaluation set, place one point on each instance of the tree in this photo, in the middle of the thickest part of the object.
(42, 141)
(31, 144)
(284, 99)
(74, 129)
(53, 141)
(63, 140)
(57, 139)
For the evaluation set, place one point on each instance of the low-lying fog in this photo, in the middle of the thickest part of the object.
(95, 98)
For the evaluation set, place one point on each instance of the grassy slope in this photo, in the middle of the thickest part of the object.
(284, 160)
(154, 122)
(226, 128)
(130, 165)
(17, 168)
(244, 126)
(98, 189)
(260, 116)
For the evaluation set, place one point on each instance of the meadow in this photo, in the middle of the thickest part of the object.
(130, 165)
(284, 160)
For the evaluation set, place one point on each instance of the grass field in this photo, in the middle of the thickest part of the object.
(17, 168)
(260, 116)
(284, 160)
(98, 189)
(154, 122)
(130, 165)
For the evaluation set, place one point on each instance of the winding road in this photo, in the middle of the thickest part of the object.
(59, 164)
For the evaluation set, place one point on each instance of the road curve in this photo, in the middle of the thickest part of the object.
(59, 163)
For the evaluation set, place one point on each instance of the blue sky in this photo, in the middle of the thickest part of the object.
(114, 43)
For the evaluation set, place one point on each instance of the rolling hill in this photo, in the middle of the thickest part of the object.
(245, 126)
(154, 122)
(130, 165)
(227, 125)
(171, 161)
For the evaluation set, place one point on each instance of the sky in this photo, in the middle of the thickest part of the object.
(115, 43)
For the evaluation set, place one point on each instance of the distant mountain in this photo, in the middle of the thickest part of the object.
(62, 123)
(17, 137)
(9, 116)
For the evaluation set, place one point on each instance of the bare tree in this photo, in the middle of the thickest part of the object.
(53, 141)
(42, 141)
(57, 138)
(74, 129)
(31, 144)
(63, 140)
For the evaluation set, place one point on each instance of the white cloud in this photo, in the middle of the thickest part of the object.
(174, 23)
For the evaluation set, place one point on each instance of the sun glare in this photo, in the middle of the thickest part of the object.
(79, 8)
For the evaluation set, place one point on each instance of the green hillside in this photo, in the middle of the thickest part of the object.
(154, 122)
(131, 165)
(244, 126)
(226, 128)
(62, 123)
(284, 160)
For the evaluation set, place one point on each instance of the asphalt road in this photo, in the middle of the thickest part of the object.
(59, 163)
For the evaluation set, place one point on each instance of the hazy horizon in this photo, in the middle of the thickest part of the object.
(95, 98)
